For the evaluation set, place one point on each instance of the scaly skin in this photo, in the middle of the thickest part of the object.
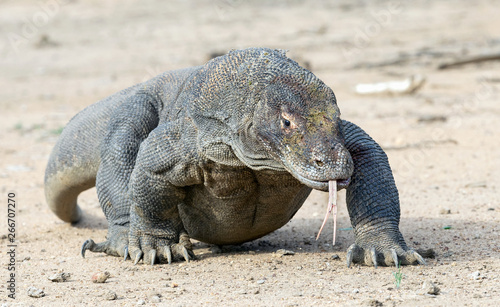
(223, 153)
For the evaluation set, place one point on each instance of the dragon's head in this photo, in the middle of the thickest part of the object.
(298, 121)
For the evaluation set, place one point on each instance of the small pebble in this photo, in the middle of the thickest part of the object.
(284, 252)
(141, 302)
(59, 277)
(100, 277)
(155, 299)
(110, 296)
(476, 275)
(430, 118)
(173, 285)
(447, 254)
(335, 257)
(355, 291)
(261, 281)
(477, 184)
(428, 287)
(36, 293)
(445, 211)
(374, 303)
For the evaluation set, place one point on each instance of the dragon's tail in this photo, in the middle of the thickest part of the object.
(74, 161)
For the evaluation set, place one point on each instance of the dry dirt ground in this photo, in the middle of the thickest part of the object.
(59, 56)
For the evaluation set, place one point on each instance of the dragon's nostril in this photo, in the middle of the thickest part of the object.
(318, 163)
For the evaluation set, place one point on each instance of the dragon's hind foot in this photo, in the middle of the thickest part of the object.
(115, 245)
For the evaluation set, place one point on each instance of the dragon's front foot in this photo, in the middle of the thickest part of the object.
(157, 249)
(372, 256)
(386, 249)
(115, 244)
(157, 240)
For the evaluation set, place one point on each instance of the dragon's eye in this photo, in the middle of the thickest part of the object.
(288, 121)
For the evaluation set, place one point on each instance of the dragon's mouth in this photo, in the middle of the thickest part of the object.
(342, 183)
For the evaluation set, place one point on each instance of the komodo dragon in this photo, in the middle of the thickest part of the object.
(223, 153)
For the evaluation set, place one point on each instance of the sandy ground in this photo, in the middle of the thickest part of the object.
(442, 141)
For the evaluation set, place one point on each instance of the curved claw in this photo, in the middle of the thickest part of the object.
(168, 252)
(395, 257)
(185, 253)
(387, 256)
(419, 258)
(86, 245)
(125, 253)
(152, 255)
(350, 255)
(138, 257)
(373, 254)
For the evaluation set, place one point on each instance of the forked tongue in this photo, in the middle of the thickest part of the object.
(332, 206)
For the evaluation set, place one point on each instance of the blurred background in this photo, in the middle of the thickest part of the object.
(60, 51)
